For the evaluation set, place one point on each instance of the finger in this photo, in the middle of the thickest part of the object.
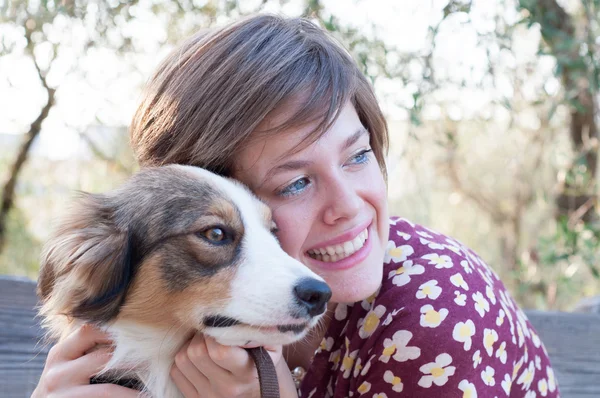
(273, 348)
(90, 364)
(80, 341)
(102, 391)
(275, 352)
(190, 369)
(79, 371)
(183, 383)
(234, 360)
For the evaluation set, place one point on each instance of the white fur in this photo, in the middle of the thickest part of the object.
(149, 353)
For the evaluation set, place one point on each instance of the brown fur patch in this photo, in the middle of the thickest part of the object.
(151, 302)
(224, 209)
(84, 260)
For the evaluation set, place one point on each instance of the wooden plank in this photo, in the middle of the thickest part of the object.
(572, 341)
(21, 356)
(573, 344)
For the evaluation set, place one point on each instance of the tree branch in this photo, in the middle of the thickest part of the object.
(8, 189)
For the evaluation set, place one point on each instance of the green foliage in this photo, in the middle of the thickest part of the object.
(571, 255)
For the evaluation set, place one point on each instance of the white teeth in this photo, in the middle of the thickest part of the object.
(357, 243)
(348, 247)
(338, 252)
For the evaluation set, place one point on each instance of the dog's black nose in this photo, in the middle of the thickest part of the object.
(312, 295)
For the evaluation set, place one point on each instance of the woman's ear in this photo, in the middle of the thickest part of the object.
(86, 266)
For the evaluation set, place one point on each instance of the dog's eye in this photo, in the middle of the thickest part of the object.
(215, 235)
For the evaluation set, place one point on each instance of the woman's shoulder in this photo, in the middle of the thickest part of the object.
(419, 238)
(417, 255)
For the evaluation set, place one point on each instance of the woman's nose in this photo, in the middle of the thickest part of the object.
(343, 201)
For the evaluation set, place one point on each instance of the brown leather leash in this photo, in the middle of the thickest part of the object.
(267, 375)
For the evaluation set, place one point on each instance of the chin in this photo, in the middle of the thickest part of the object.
(356, 286)
(176, 250)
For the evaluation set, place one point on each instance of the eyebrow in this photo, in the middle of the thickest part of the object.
(354, 137)
(300, 164)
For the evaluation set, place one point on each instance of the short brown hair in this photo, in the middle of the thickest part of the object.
(211, 93)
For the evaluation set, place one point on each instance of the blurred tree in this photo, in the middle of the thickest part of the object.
(38, 28)
(523, 119)
(32, 20)
(575, 51)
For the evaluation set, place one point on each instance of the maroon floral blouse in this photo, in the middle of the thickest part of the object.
(441, 325)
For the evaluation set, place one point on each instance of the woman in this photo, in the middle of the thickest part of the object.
(278, 105)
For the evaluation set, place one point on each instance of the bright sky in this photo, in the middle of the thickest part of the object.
(400, 23)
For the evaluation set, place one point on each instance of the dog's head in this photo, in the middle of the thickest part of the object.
(178, 247)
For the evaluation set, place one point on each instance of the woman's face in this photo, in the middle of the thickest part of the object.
(328, 200)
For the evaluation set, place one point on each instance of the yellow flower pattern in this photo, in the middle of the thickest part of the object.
(371, 321)
(395, 381)
(429, 290)
(364, 388)
(437, 372)
(506, 384)
(463, 333)
(468, 389)
(432, 318)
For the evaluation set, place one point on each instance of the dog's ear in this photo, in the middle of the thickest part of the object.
(86, 267)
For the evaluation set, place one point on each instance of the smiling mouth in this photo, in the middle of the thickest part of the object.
(218, 321)
(330, 254)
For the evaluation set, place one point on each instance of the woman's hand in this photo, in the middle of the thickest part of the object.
(206, 369)
(71, 364)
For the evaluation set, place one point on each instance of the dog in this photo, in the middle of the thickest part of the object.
(176, 249)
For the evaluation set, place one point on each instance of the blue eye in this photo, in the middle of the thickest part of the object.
(361, 157)
(295, 187)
